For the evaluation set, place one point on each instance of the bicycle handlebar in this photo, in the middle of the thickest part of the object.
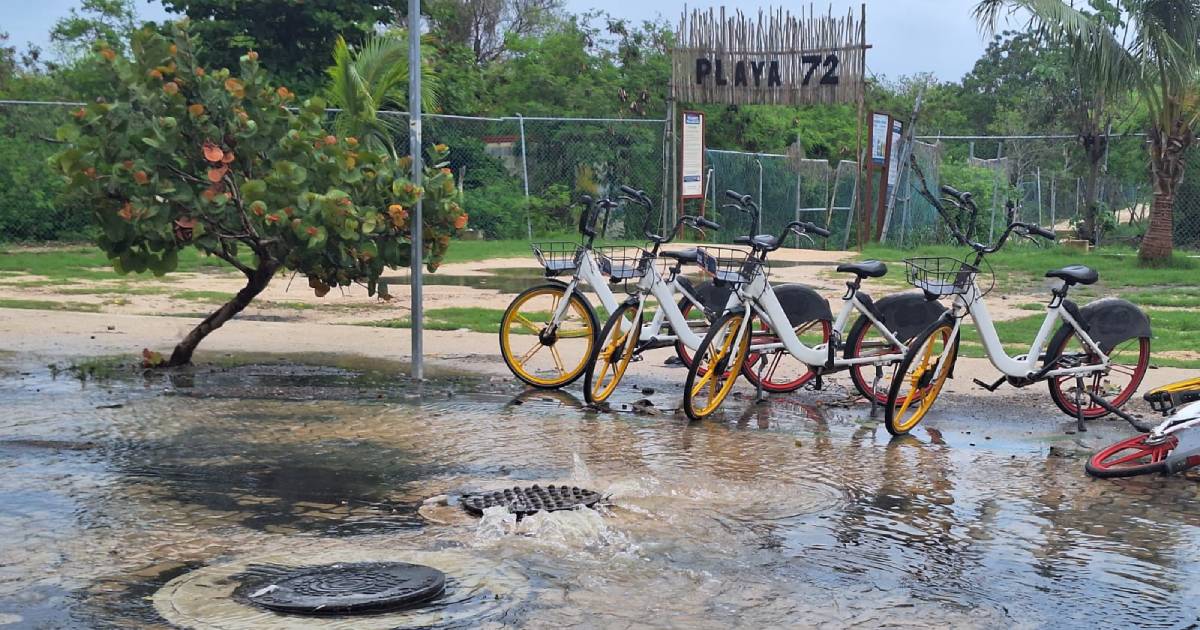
(966, 201)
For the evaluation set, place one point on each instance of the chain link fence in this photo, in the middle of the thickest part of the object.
(786, 189)
(523, 177)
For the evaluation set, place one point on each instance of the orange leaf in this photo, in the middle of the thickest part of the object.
(215, 174)
(141, 177)
(228, 157)
(212, 152)
(171, 87)
(196, 109)
(126, 211)
(461, 221)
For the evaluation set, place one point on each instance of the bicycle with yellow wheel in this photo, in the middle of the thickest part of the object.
(1093, 362)
(549, 331)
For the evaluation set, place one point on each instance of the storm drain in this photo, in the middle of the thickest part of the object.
(339, 589)
(526, 501)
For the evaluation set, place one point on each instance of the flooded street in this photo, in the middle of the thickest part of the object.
(148, 501)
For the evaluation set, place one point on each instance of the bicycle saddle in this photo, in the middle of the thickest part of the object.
(1075, 274)
(864, 269)
(683, 256)
(764, 241)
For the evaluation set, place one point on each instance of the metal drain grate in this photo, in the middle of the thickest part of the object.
(339, 589)
(526, 501)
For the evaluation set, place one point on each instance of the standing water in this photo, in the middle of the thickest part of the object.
(148, 502)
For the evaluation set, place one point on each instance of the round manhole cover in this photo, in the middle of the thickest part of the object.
(348, 588)
(526, 501)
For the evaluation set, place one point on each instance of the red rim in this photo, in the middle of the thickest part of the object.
(1132, 455)
(1094, 382)
(769, 384)
(681, 350)
(860, 380)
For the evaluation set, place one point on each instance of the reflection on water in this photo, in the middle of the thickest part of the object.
(783, 513)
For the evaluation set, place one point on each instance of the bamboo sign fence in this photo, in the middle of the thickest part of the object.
(777, 59)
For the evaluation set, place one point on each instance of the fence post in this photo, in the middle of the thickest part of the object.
(1039, 195)
(525, 177)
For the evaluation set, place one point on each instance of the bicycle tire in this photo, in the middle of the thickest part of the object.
(628, 343)
(1098, 465)
(517, 367)
(932, 390)
(732, 367)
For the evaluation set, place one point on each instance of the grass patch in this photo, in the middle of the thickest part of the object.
(120, 289)
(1019, 266)
(210, 297)
(89, 263)
(34, 284)
(474, 251)
(1181, 297)
(50, 305)
(475, 319)
(96, 368)
(295, 306)
(1174, 331)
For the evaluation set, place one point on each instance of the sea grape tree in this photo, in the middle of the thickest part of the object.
(185, 156)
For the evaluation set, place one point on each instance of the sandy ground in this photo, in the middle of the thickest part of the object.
(127, 323)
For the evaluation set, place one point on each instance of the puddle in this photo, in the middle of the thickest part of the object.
(797, 512)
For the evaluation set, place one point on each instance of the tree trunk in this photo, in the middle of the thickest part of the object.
(1159, 240)
(257, 281)
(1166, 166)
(1091, 207)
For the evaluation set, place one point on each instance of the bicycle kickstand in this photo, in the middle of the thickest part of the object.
(875, 388)
(759, 396)
(1079, 394)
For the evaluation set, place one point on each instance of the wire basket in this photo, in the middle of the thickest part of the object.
(557, 257)
(726, 264)
(944, 276)
(623, 263)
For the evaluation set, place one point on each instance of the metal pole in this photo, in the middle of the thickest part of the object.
(525, 177)
(414, 148)
(1039, 196)
(760, 184)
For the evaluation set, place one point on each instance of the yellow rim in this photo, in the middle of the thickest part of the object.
(522, 329)
(614, 357)
(711, 379)
(923, 397)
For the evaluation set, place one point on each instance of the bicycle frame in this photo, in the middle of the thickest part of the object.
(589, 272)
(1021, 366)
(759, 297)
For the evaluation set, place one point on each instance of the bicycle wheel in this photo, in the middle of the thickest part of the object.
(782, 372)
(1128, 362)
(717, 363)
(1131, 457)
(542, 353)
(867, 340)
(618, 340)
(914, 387)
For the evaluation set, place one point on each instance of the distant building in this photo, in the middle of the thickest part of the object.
(506, 149)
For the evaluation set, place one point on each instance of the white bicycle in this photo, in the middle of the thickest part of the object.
(1102, 348)
(549, 331)
(759, 325)
(1172, 446)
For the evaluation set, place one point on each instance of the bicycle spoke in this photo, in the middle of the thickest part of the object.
(1130, 458)
(521, 319)
(558, 362)
(529, 354)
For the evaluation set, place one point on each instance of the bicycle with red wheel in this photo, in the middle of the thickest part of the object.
(1092, 362)
(1172, 446)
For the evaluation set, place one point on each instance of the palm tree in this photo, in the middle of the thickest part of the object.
(375, 77)
(1157, 57)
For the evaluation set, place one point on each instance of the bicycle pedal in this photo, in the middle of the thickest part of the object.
(993, 387)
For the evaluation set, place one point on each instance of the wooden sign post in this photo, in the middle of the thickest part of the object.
(776, 59)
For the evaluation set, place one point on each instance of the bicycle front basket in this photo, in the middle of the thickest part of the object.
(941, 275)
(623, 263)
(557, 257)
(726, 264)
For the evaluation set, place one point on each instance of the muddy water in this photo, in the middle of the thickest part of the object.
(798, 512)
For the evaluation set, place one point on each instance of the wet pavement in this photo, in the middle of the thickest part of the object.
(146, 501)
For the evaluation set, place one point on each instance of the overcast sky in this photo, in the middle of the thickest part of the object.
(909, 36)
